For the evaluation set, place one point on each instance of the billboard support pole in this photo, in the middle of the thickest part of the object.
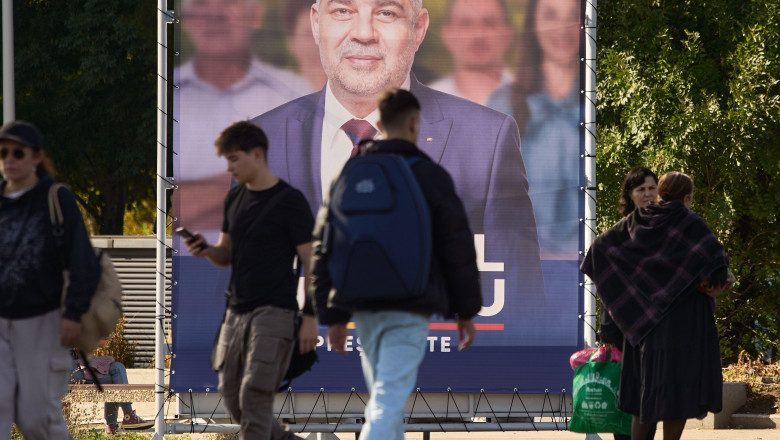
(589, 125)
(9, 85)
(164, 183)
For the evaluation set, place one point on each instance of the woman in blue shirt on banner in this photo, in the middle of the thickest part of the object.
(545, 101)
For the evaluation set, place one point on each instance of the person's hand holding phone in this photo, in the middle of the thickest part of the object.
(196, 243)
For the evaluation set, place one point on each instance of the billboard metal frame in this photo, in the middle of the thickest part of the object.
(537, 414)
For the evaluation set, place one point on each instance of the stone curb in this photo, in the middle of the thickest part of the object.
(755, 421)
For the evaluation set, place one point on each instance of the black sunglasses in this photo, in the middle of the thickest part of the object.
(17, 152)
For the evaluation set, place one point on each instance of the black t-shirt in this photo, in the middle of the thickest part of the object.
(264, 245)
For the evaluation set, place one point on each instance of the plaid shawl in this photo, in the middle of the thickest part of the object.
(645, 262)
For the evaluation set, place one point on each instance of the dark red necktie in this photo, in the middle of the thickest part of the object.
(357, 130)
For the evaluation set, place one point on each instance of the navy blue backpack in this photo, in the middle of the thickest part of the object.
(378, 239)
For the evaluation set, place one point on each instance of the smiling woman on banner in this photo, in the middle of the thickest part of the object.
(36, 331)
(545, 100)
(648, 269)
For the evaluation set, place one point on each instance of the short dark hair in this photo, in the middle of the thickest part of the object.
(501, 4)
(244, 136)
(636, 177)
(674, 185)
(395, 106)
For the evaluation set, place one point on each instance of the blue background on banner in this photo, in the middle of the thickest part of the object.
(539, 363)
(538, 332)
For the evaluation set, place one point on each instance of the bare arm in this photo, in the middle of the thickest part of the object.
(337, 336)
(218, 254)
(307, 335)
(69, 332)
(713, 290)
(466, 333)
(304, 256)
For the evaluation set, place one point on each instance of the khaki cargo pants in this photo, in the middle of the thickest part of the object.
(252, 356)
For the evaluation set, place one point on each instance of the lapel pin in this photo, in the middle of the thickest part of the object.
(429, 140)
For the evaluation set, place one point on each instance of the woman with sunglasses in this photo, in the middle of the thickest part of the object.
(38, 325)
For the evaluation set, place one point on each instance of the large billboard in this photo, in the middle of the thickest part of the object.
(512, 141)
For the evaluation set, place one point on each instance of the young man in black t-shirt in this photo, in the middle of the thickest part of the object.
(267, 223)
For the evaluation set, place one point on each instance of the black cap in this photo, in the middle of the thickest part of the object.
(23, 132)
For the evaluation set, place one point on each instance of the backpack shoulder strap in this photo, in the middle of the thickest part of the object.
(57, 220)
(272, 203)
(235, 197)
(411, 160)
(55, 209)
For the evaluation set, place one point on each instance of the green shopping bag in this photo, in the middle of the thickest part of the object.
(595, 398)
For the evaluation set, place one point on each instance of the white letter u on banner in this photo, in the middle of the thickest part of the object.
(498, 285)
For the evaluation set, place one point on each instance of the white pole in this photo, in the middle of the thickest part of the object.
(9, 86)
(162, 186)
(590, 163)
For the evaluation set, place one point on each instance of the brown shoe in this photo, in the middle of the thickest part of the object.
(132, 421)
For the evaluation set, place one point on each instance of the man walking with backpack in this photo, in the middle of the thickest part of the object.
(361, 269)
(267, 223)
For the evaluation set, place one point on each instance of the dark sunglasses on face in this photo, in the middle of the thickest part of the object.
(18, 153)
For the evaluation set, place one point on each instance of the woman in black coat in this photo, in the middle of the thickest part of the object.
(648, 269)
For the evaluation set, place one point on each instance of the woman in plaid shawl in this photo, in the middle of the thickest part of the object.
(647, 269)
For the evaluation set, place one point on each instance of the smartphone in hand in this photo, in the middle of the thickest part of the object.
(188, 235)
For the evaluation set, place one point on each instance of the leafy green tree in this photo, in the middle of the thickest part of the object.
(694, 86)
(86, 76)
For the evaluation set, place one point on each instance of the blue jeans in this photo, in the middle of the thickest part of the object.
(393, 345)
(117, 374)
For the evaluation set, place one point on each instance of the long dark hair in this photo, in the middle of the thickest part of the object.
(527, 80)
(636, 177)
(528, 74)
(46, 167)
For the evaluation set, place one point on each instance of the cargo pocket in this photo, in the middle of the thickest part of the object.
(60, 367)
(221, 342)
(266, 362)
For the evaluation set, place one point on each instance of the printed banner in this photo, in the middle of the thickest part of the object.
(511, 140)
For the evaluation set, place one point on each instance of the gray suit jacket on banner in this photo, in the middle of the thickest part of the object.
(478, 146)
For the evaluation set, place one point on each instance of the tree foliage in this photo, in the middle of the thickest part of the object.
(693, 85)
(85, 75)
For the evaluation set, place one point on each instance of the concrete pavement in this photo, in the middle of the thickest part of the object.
(689, 434)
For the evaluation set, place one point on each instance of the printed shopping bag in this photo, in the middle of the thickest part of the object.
(595, 398)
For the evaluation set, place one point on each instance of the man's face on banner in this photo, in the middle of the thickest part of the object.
(221, 27)
(477, 37)
(367, 46)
